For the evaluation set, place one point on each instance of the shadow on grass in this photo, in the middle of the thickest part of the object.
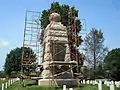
(31, 84)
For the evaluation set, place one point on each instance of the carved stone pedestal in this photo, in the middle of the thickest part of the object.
(58, 82)
(59, 73)
(56, 61)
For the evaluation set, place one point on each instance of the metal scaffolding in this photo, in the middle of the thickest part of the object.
(74, 43)
(31, 39)
(74, 39)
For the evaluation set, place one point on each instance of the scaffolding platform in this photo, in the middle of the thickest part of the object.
(31, 39)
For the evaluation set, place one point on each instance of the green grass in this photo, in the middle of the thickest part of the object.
(17, 86)
(2, 81)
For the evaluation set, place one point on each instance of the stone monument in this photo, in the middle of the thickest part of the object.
(57, 66)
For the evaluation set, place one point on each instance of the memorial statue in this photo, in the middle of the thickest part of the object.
(56, 57)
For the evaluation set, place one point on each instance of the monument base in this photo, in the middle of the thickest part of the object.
(58, 82)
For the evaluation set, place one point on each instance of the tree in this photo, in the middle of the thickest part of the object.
(13, 59)
(94, 47)
(100, 71)
(69, 18)
(112, 64)
(2, 74)
(63, 10)
(87, 73)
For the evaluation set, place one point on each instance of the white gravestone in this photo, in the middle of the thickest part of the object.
(112, 87)
(9, 83)
(6, 85)
(117, 84)
(83, 81)
(105, 82)
(70, 88)
(64, 87)
(108, 83)
(100, 85)
(96, 82)
(2, 86)
(112, 82)
(88, 82)
(93, 82)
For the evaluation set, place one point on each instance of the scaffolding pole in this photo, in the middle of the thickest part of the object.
(31, 40)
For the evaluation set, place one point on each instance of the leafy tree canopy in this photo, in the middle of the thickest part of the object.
(112, 64)
(13, 59)
(63, 10)
(69, 18)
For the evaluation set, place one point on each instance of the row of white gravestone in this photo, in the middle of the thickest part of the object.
(8, 83)
(110, 84)
(90, 82)
(65, 88)
(2, 78)
(112, 87)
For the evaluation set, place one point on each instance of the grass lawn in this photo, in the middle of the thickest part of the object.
(17, 86)
(2, 81)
